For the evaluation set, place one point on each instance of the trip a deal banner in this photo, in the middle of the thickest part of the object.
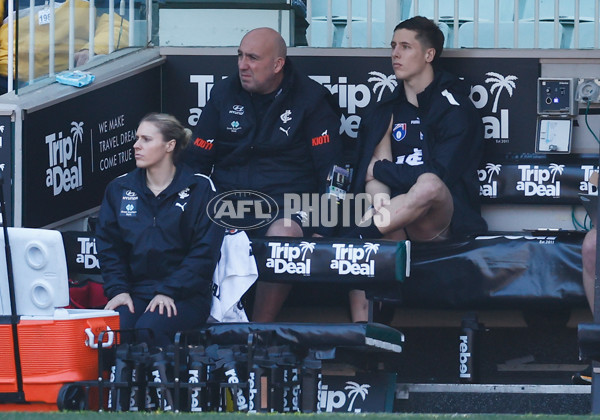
(502, 89)
(74, 148)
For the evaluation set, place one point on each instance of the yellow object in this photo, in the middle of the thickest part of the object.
(61, 39)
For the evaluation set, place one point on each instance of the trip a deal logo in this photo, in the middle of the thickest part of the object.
(488, 180)
(586, 186)
(64, 171)
(497, 123)
(347, 400)
(290, 259)
(540, 181)
(351, 260)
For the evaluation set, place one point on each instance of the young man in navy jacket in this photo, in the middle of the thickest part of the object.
(419, 150)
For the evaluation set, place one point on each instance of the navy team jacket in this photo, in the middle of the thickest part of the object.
(291, 150)
(452, 148)
(151, 245)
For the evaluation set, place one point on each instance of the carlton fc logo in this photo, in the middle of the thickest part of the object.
(286, 116)
(399, 131)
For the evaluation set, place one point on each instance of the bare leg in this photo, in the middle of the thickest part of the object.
(424, 211)
(588, 255)
(268, 300)
(269, 297)
(359, 305)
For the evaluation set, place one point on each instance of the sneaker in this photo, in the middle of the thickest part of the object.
(583, 377)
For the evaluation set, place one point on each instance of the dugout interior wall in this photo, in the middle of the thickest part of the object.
(520, 189)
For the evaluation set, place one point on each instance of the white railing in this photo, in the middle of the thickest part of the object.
(366, 23)
(138, 34)
(465, 23)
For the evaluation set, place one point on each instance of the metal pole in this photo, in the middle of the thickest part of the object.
(536, 24)
(51, 40)
(329, 24)
(71, 35)
(309, 20)
(31, 41)
(111, 26)
(92, 28)
(369, 23)
(556, 25)
(11, 43)
(496, 24)
(595, 364)
(132, 26)
(14, 318)
(349, 22)
(575, 27)
(475, 24)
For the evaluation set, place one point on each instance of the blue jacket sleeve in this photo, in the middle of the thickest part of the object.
(446, 152)
(326, 146)
(201, 151)
(112, 250)
(195, 272)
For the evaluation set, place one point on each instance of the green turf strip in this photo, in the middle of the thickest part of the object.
(87, 415)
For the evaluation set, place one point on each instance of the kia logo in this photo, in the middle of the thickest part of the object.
(242, 209)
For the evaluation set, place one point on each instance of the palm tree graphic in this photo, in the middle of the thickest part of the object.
(370, 247)
(77, 132)
(355, 390)
(492, 169)
(306, 246)
(381, 82)
(500, 82)
(554, 169)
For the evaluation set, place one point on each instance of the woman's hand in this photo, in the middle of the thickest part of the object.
(120, 299)
(162, 302)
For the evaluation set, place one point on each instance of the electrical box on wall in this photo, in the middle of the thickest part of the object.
(588, 90)
(556, 96)
(554, 134)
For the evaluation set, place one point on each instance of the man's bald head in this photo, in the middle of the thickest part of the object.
(272, 38)
(261, 57)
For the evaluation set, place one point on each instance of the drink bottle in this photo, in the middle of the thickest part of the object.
(468, 349)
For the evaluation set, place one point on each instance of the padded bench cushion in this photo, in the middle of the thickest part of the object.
(371, 336)
(588, 335)
(522, 270)
(505, 270)
(360, 263)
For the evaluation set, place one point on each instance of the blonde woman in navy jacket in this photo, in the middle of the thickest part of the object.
(158, 248)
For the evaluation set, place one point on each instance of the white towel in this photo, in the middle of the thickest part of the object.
(236, 271)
